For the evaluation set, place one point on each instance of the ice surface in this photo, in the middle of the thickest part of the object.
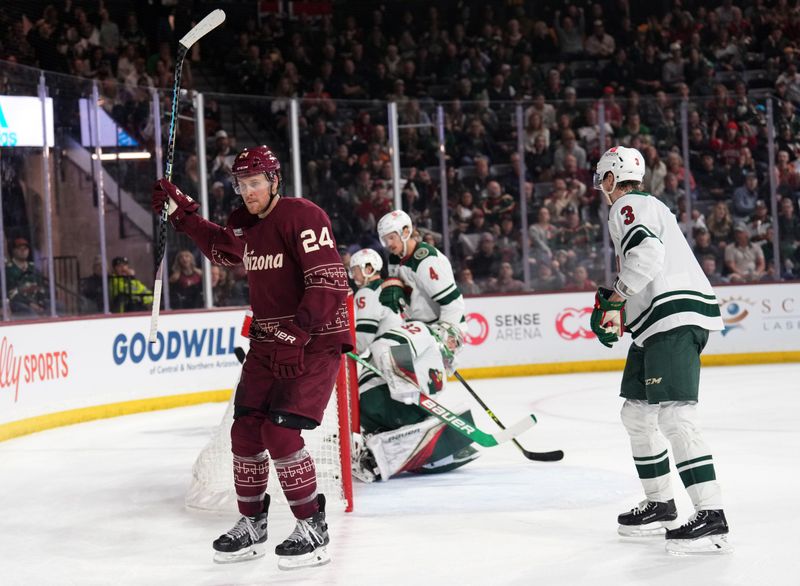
(102, 502)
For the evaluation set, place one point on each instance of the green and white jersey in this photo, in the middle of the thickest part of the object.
(428, 363)
(661, 279)
(378, 309)
(434, 293)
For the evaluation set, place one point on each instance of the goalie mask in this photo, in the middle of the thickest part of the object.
(392, 222)
(625, 164)
(369, 262)
(450, 341)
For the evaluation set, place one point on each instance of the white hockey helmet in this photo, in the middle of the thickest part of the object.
(624, 163)
(395, 221)
(366, 257)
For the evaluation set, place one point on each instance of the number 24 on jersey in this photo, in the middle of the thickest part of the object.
(312, 243)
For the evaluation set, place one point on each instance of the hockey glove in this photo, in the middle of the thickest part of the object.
(180, 204)
(290, 342)
(393, 295)
(608, 317)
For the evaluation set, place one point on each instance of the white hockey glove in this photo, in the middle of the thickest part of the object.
(401, 389)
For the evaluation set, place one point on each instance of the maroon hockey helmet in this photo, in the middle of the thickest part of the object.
(254, 160)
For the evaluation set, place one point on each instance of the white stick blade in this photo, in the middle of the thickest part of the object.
(516, 429)
(156, 308)
(202, 28)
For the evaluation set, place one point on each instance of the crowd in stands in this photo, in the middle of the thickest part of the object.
(560, 61)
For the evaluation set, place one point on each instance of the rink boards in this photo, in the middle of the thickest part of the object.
(67, 371)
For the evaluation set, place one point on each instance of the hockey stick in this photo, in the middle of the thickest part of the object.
(202, 28)
(553, 456)
(481, 438)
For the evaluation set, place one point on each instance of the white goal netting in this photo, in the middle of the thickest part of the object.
(212, 486)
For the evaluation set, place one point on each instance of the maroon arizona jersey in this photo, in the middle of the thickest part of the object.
(293, 267)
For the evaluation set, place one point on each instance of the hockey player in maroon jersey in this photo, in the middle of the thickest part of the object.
(298, 289)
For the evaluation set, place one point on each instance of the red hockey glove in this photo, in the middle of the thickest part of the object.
(290, 341)
(180, 204)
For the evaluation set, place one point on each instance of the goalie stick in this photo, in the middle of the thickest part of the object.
(202, 28)
(553, 456)
(481, 438)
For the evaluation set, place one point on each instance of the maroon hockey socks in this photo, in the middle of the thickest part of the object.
(250, 478)
(298, 478)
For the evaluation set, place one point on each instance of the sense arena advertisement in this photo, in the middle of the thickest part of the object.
(56, 366)
(554, 327)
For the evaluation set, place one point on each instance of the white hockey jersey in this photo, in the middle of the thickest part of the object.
(374, 317)
(435, 295)
(428, 364)
(661, 279)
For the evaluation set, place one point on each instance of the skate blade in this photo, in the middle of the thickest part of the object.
(710, 545)
(657, 529)
(318, 557)
(251, 553)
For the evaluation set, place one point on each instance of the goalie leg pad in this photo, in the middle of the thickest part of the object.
(405, 448)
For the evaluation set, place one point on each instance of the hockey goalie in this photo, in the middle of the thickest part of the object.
(398, 436)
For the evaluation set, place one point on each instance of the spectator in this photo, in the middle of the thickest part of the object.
(788, 228)
(618, 74)
(548, 278)
(720, 223)
(534, 129)
(542, 235)
(561, 197)
(672, 192)
(570, 33)
(127, 293)
(92, 287)
(539, 160)
(709, 266)
(655, 173)
(220, 286)
(222, 158)
(466, 283)
(27, 295)
(569, 146)
(673, 71)
(185, 282)
(704, 247)
(505, 281)
(486, 262)
(712, 182)
(743, 259)
(760, 222)
(580, 280)
(600, 45)
(745, 197)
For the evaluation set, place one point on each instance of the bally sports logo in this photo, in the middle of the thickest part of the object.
(29, 368)
(571, 323)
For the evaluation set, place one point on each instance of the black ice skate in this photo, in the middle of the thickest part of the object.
(648, 519)
(245, 541)
(306, 545)
(706, 532)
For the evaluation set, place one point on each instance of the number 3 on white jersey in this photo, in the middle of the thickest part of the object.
(312, 243)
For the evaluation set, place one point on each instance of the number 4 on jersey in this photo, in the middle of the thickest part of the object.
(312, 243)
(433, 275)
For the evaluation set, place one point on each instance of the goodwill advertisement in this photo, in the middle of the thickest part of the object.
(69, 364)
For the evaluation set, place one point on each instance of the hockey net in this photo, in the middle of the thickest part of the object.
(329, 444)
